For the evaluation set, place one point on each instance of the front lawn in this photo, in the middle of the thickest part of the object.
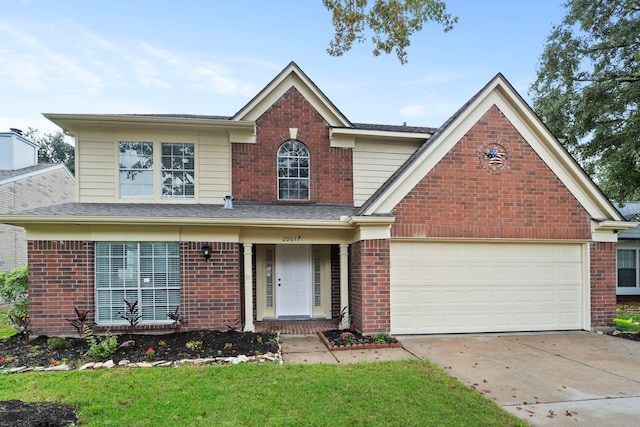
(396, 393)
(6, 327)
(628, 317)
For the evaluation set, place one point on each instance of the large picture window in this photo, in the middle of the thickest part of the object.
(293, 171)
(146, 272)
(136, 169)
(178, 171)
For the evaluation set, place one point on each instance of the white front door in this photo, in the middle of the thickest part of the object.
(293, 280)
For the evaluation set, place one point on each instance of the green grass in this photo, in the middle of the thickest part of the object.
(6, 327)
(627, 322)
(397, 393)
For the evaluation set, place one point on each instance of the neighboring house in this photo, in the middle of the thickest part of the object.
(25, 184)
(628, 262)
(484, 224)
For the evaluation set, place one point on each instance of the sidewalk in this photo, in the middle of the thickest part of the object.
(302, 349)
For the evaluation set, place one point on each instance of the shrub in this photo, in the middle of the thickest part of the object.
(57, 343)
(100, 347)
(194, 345)
(14, 288)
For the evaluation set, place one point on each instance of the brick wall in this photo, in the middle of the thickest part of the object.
(60, 278)
(48, 188)
(603, 284)
(370, 286)
(459, 198)
(210, 289)
(254, 172)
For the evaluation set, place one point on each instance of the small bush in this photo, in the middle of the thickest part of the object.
(14, 290)
(194, 345)
(57, 344)
(100, 347)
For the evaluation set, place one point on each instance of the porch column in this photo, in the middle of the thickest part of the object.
(248, 289)
(344, 285)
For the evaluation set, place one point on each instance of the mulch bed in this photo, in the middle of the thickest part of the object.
(18, 351)
(344, 339)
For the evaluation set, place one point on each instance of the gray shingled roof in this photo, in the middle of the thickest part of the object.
(258, 211)
(5, 174)
(394, 128)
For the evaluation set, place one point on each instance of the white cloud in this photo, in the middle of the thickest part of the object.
(414, 110)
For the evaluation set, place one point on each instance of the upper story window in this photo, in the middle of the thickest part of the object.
(139, 179)
(136, 169)
(293, 171)
(178, 171)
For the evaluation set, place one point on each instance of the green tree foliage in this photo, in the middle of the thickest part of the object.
(13, 289)
(53, 148)
(588, 89)
(392, 22)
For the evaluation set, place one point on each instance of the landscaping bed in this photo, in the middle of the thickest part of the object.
(17, 351)
(344, 339)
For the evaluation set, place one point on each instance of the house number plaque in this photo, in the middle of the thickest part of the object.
(291, 238)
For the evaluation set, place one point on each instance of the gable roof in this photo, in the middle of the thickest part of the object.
(7, 176)
(292, 75)
(497, 92)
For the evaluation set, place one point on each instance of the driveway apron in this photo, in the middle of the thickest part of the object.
(575, 378)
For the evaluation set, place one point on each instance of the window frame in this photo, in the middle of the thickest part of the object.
(628, 290)
(112, 284)
(174, 171)
(289, 168)
(158, 170)
(130, 170)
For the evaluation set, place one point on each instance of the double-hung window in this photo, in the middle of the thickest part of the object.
(178, 171)
(146, 272)
(628, 272)
(293, 171)
(136, 169)
(139, 178)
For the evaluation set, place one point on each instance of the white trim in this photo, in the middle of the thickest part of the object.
(500, 94)
(248, 289)
(26, 175)
(291, 76)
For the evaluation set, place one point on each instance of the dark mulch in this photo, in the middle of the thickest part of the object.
(16, 413)
(17, 351)
(345, 337)
(635, 336)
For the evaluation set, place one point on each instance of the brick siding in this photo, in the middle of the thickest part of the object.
(61, 277)
(459, 198)
(603, 284)
(370, 286)
(254, 171)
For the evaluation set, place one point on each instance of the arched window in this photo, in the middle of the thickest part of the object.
(293, 171)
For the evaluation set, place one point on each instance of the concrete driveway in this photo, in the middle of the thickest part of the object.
(576, 378)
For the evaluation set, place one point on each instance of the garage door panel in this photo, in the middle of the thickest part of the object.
(534, 287)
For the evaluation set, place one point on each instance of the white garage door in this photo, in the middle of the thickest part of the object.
(485, 287)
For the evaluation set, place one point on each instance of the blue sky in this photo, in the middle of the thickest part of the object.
(212, 57)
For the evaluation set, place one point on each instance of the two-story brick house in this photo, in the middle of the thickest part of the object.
(484, 224)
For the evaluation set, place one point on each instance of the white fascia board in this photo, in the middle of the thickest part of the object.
(71, 122)
(381, 134)
(38, 172)
(26, 220)
(533, 131)
(292, 76)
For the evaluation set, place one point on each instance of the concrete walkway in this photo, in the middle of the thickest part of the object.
(547, 379)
